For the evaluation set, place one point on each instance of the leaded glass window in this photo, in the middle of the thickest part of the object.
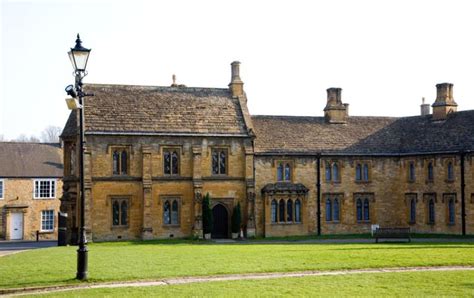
(274, 211)
(335, 172)
(280, 172)
(297, 210)
(328, 209)
(219, 161)
(174, 213)
(366, 210)
(358, 172)
(431, 211)
(328, 172)
(365, 173)
(281, 215)
(120, 212)
(359, 209)
(413, 210)
(411, 172)
(120, 162)
(47, 220)
(171, 161)
(430, 172)
(336, 210)
(451, 211)
(283, 171)
(450, 171)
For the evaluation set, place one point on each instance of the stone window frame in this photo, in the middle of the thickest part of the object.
(427, 198)
(121, 149)
(49, 220)
(363, 197)
(170, 198)
(450, 171)
(447, 198)
(339, 196)
(226, 150)
(179, 152)
(411, 171)
(430, 174)
(409, 198)
(363, 165)
(120, 199)
(2, 189)
(329, 167)
(286, 199)
(284, 163)
(37, 189)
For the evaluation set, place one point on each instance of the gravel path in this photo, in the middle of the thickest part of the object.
(229, 277)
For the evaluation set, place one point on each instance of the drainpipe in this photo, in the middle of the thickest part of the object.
(463, 195)
(318, 187)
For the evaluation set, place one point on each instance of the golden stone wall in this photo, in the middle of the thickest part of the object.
(18, 197)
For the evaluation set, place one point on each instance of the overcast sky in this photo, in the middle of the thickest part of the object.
(385, 55)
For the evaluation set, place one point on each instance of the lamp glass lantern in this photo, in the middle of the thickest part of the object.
(79, 56)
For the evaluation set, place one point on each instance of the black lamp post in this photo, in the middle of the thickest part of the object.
(79, 56)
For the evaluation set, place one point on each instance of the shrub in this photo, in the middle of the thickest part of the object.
(206, 215)
(236, 219)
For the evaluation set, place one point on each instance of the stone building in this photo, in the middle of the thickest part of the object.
(153, 152)
(30, 188)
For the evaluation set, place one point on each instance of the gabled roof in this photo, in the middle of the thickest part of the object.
(120, 109)
(364, 135)
(32, 160)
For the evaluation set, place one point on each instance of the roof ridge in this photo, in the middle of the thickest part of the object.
(151, 87)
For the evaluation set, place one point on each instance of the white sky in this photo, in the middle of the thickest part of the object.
(385, 55)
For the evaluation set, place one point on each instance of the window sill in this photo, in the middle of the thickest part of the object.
(285, 223)
(411, 181)
(334, 222)
(46, 232)
(120, 227)
(451, 224)
(412, 222)
(334, 182)
(171, 226)
(364, 222)
(429, 181)
(362, 181)
(449, 180)
(431, 223)
(44, 198)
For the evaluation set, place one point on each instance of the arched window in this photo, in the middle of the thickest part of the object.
(366, 173)
(116, 163)
(450, 171)
(451, 213)
(166, 213)
(287, 172)
(328, 172)
(431, 212)
(289, 210)
(358, 172)
(366, 210)
(411, 172)
(280, 172)
(116, 213)
(359, 209)
(335, 172)
(297, 210)
(174, 213)
(430, 172)
(274, 211)
(413, 210)
(336, 210)
(328, 209)
(281, 215)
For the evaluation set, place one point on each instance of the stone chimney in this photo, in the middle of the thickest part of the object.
(236, 85)
(335, 111)
(444, 103)
(425, 107)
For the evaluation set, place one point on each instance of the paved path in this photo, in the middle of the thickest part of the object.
(228, 277)
(11, 247)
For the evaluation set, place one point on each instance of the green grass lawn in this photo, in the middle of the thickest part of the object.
(155, 259)
(411, 284)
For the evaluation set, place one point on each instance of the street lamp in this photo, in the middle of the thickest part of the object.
(79, 56)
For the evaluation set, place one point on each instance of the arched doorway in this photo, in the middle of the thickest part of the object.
(220, 227)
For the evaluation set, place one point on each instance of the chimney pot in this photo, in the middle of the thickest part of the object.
(236, 85)
(425, 108)
(335, 111)
(444, 103)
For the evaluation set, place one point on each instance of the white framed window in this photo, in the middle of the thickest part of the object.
(47, 220)
(44, 189)
(1, 189)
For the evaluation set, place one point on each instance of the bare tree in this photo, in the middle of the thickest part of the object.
(24, 138)
(51, 134)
